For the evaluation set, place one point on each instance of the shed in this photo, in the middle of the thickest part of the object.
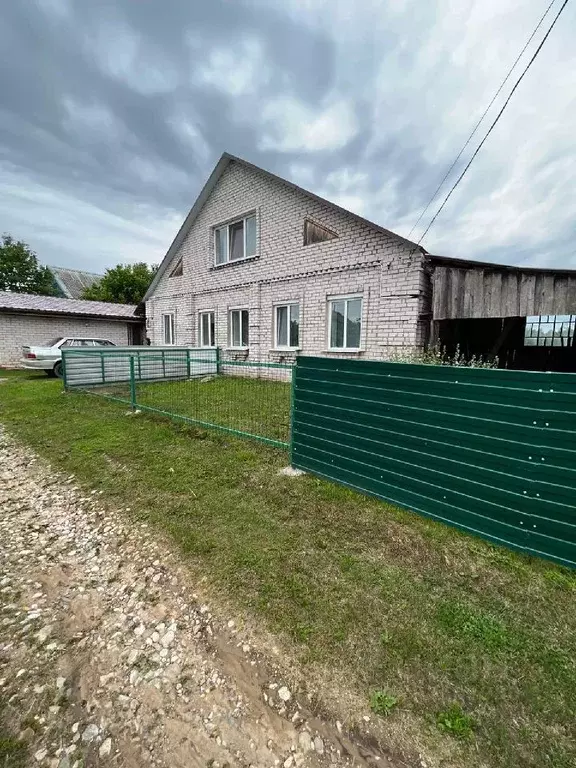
(523, 316)
(26, 319)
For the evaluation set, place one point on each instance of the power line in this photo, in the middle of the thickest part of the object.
(470, 137)
(489, 131)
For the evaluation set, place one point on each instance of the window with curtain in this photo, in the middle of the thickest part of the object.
(238, 320)
(168, 329)
(345, 319)
(207, 329)
(235, 241)
(288, 325)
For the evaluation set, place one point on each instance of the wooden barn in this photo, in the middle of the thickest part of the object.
(523, 316)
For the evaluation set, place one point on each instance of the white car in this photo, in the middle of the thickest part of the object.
(49, 357)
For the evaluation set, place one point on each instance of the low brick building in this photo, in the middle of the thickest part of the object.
(264, 269)
(34, 320)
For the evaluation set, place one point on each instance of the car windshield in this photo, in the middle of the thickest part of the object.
(53, 342)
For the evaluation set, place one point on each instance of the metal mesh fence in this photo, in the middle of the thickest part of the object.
(245, 398)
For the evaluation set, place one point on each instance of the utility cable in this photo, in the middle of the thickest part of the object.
(489, 131)
(471, 136)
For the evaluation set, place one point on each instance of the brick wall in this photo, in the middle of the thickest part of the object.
(19, 330)
(386, 271)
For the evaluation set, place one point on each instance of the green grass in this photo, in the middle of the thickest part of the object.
(389, 600)
(255, 406)
(13, 751)
(455, 722)
(382, 703)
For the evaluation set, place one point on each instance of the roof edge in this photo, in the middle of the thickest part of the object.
(454, 261)
(206, 190)
(68, 313)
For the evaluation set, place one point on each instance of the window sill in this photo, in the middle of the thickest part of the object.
(286, 350)
(234, 262)
(236, 349)
(343, 351)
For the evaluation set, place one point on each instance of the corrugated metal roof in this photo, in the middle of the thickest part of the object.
(73, 282)
(27, 302)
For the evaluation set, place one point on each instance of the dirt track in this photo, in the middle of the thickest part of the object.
(108, 657)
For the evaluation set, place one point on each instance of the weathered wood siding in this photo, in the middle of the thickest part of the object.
(478, 292)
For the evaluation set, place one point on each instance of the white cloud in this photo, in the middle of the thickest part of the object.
(185, 128)
(67, 231)
(121, 53)
(236, 70)
(290, 125)
(58, 8)
(91, 119)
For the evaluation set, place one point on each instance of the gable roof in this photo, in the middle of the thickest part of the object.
(72, 282)
(222, 164)
(52, 305)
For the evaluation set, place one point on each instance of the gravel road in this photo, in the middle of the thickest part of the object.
(108, 656)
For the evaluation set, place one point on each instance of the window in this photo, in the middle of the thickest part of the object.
(207, 335)
(103, 343)
(168, 329)
(178, 270)
(288, 325)
(549, 331)
(238, 328)
(316, 233)
(236, 240)
(345, 320)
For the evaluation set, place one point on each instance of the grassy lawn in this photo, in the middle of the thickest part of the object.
(462, 648)
(251, 405)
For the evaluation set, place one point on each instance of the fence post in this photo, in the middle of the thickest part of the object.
(188, 363)
(217, 361)
(102, 368)
(292, 401)
(132, 384)
(64, 380)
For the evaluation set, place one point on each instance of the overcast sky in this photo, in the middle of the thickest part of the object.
(113, 113)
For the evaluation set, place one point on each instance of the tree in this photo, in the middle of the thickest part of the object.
(124, 284)
(20, 271)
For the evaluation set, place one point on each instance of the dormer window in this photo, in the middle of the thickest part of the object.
(178, 270)
(316, 233)
(236, 240)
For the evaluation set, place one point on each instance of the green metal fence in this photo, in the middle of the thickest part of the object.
(196, 386)
(492, 452)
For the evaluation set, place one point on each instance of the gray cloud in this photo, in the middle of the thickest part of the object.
(113, 113)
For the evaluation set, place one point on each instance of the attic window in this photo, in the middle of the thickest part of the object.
(316, 233)
(178, 270)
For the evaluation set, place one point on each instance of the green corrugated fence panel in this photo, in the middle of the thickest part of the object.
(489, 451)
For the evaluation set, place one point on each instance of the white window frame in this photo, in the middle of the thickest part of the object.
(288, 305)
(226, 227)
(231, 310)
(172, 329)
(201, 338)
(346, 298)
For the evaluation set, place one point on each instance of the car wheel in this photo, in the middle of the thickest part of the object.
(57, 370)
(50, 374)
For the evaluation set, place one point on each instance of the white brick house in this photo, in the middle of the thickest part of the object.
(239, 275)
